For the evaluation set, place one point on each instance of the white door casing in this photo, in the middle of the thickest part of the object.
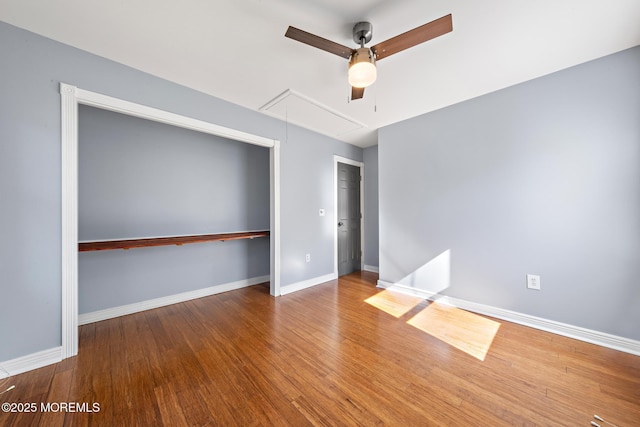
(71, 97)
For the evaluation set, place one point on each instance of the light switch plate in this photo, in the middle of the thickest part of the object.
(321, 212)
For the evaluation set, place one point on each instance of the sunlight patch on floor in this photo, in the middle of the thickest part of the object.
(461, 329)
(394, 303)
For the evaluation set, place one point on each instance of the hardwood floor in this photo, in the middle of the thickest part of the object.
(322, 356)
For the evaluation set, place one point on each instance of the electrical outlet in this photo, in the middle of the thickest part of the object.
(533, 281)
(308, 257)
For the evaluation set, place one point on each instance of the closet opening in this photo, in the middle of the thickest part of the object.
(176, 223)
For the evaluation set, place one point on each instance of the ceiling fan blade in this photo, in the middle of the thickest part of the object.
(414, 37)
(319, 42)
(356, 92)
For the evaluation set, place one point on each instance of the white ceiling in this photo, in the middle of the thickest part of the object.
(236, 49)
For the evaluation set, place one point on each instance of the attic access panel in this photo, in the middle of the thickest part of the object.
(298, 109)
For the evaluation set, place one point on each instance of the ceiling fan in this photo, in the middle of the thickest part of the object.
(362, 60)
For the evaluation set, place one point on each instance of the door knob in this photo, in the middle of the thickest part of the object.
(340, 224)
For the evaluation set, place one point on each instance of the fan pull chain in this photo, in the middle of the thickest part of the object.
(375, 100)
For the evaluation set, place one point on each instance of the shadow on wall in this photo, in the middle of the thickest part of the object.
(432, 277)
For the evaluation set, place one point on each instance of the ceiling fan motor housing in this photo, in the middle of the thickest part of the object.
(362, 30)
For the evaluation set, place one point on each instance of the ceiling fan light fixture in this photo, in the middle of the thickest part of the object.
(362, 68)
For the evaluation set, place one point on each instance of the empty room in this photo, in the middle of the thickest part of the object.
(400, 213)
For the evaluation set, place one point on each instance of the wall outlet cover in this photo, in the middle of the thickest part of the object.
(533, 281)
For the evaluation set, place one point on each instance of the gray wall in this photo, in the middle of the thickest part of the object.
(370, 156)
(139, 178)
(309, 177)
(30, 256)
(540, 178)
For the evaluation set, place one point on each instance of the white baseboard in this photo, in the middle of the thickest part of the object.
(372, 268)
(294, 287)
(31, 361)
(588, 335)
(123, 310)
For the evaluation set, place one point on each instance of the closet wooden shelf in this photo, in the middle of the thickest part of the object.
(106, 245)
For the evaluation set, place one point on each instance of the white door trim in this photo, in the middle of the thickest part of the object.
(71, 97)
(338, 159)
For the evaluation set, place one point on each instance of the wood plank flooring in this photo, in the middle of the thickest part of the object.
(322, 356)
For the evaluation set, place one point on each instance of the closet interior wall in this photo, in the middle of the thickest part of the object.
(141, 179)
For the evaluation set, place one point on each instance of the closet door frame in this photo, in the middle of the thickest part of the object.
(71, 97)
